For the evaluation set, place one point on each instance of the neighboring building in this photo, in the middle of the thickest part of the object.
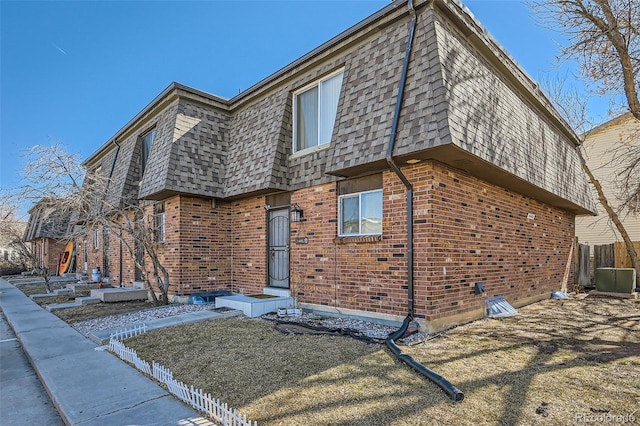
(496, 179)
(8, 250)
(47, 232)
(603, 146)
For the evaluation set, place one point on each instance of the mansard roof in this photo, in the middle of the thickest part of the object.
(467, 104)
(47, 219)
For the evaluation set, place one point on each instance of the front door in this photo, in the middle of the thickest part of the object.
(279, 248)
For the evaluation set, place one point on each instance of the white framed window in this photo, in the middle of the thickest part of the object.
(360, 213)
(96, 238)
(160, 220)
(147, 142)
(314, 112)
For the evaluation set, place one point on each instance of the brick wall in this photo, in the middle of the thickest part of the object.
(465, 231)
(197, 247)
(48, 251)
(473, 231)
(249, 245)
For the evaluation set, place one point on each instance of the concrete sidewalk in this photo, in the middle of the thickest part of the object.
(88, 387)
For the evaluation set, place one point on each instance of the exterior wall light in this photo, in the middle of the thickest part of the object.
(297, 214)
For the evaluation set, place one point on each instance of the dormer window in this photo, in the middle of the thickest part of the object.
(147, 141)
(314, 110)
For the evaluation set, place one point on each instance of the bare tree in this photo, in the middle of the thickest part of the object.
(604, 37)
(15, 253)
(12, 232)
(53, 174)
(573, 107)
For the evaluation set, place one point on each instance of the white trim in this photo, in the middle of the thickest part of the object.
(359, 195)
(309, 150)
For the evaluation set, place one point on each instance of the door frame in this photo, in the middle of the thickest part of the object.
(272, 249)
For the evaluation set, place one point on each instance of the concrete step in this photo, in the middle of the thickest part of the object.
(59, 306)
(88, 300)
(82, 286)
(42, 296)
(124, 294)
(57, 292)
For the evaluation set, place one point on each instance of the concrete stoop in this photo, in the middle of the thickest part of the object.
(255, 305)
(57, 292)
(80, 301)
(125, 294)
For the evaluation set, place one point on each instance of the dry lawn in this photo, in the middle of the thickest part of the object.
(555, 363)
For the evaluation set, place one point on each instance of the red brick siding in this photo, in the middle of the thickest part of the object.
(473, 231)
(48, 251)
(249, 245)
(465, 230)
(197, 247)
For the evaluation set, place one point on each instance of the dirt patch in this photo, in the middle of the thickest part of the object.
(556, 362)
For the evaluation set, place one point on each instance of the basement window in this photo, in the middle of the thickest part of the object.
(360, 206)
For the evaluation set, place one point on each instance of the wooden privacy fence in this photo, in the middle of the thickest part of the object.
(622, 259)
(583, 263)
(604, 256)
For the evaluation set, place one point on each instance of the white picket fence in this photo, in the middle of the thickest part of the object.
(129, 355)
(197, 398)
(127, 332)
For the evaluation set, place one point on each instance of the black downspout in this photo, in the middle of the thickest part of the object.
(443, 383)
(394, 166)
(113, 166)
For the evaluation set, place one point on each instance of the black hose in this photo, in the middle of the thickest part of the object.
(355, 334)
(453, 392)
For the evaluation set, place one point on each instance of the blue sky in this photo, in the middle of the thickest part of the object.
(76, 72)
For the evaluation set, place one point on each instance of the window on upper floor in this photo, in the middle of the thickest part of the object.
(360, 206)
(147, 142)
(314, 110)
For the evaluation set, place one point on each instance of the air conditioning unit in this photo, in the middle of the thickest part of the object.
(616, 280)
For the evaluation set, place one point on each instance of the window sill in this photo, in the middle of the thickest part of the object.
(358, 239)
(309, 151)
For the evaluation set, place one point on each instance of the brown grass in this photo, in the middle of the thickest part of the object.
(82, 313)
(552, 363)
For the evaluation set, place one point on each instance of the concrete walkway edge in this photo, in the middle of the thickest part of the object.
(88, 387)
